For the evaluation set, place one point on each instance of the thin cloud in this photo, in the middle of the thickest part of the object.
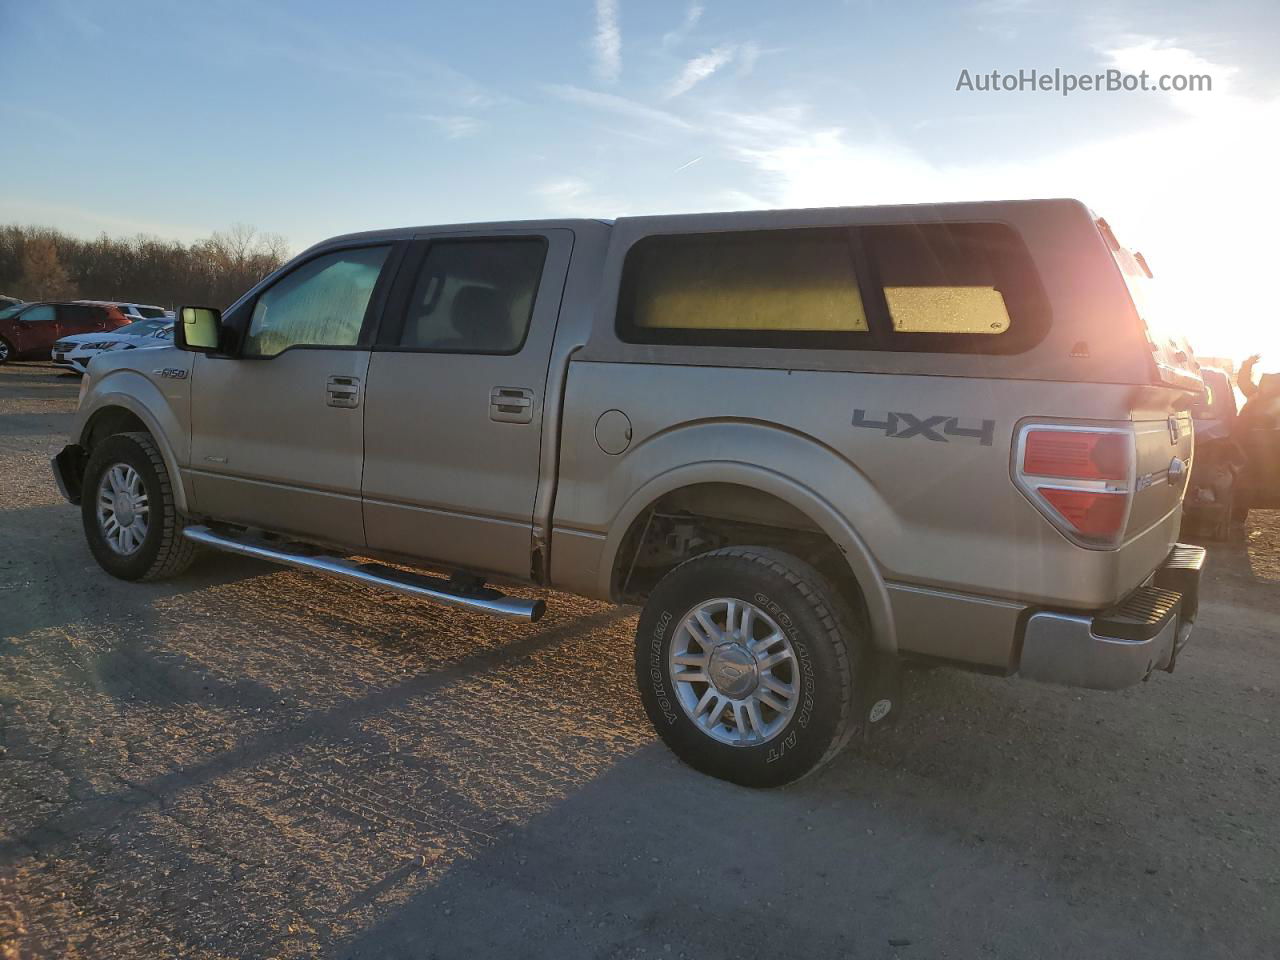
(576, 197)
(1160, 57)
(454, 126)
(677, 36)
(614, 104)
(998, 17)
(1214, 158)
(699, 68)
(85, 222)
(748, 54)
(607, 42)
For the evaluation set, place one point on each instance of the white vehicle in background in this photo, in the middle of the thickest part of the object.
(74, 353)
(143, 311)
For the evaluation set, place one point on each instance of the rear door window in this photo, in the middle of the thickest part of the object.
(474, 296)
(77, 318)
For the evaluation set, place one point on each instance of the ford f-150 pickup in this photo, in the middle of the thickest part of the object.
(810, 443)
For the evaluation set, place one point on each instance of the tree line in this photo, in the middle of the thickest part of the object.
(40, 263)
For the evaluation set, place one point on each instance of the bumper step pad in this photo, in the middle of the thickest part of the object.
(1139, 616)
(1181, 572)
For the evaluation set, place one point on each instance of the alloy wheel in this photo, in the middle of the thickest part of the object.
(123, 511)
(734, 671)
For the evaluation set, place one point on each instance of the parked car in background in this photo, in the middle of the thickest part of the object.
(29, 330)
(74, 353)
(6, 302)
(1219, 462)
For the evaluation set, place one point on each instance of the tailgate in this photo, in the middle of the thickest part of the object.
(1164, 450)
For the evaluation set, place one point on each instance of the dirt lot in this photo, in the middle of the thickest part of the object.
(250, 762)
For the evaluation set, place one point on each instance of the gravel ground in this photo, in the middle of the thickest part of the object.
(251, 762)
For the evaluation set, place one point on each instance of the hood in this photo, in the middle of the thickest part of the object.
(79, 338)
(147, 362)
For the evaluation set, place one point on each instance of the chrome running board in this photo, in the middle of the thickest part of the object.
(375, 575)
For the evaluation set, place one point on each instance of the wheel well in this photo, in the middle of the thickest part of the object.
(109, 421)
(707, 516)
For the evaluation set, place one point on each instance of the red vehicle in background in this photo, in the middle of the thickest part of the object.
(28, 330)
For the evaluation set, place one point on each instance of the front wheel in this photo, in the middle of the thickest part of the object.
(745, 658)
(130, 520)
(7, 352)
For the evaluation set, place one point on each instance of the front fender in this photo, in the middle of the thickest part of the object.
(133, 391)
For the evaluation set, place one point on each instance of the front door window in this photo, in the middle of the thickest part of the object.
(320, 304)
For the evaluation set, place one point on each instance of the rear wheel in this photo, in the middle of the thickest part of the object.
(130, 521)
(745, 658)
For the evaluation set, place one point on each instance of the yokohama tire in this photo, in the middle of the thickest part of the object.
(163, 551)
(816, 625)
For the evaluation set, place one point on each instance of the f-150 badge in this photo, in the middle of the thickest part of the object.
(939, 428)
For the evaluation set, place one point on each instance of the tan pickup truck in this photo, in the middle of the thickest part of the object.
(811, 443)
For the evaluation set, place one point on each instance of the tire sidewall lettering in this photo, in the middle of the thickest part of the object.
(657, 675)
(808, 674)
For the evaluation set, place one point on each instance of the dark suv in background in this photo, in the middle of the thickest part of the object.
(28, 330)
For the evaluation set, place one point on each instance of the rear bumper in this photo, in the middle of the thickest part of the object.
(1121, 646)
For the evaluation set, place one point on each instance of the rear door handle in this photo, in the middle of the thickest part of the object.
(511, 405)
(343, 392)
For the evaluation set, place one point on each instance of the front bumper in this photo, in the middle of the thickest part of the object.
(1118, 647)
(70, 361)
(68, 471)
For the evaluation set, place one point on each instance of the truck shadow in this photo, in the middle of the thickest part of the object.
(652, 859)
(510, 800)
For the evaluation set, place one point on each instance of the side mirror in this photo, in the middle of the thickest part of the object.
(199, 329)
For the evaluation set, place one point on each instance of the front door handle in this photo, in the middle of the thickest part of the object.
(511, 405)
(343, 392)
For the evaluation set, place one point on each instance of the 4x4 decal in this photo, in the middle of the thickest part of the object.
(903, 426)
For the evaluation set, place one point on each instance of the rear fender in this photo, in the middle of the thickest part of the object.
(817, 508)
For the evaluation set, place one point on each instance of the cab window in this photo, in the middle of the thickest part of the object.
(321, 303)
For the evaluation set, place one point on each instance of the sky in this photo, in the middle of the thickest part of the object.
(313, 119)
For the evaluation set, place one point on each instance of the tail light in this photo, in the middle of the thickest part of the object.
(1080, 478)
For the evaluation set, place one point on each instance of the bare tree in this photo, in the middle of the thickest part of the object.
(39, 263)
(43, 275)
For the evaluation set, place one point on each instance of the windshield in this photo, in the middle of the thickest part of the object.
(143, 328)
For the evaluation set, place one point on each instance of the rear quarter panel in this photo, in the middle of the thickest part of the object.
(934, 509)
